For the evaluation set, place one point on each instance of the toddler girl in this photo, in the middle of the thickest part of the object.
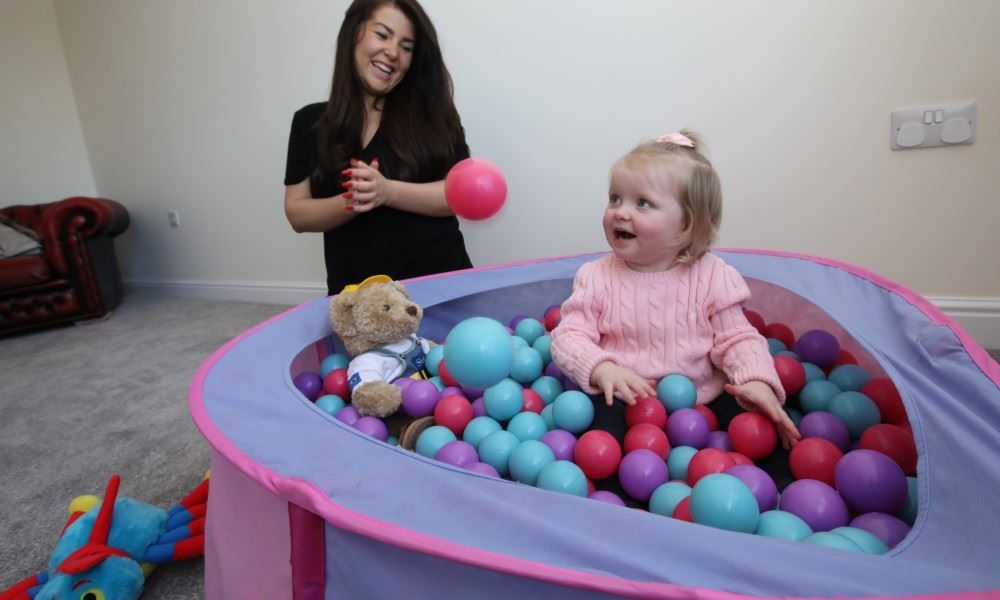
(660, 303)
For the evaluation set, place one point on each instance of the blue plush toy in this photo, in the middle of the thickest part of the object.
(106, 552)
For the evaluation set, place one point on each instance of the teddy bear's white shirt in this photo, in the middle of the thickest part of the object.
(388, 362)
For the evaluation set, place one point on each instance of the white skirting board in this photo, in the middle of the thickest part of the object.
(979, 317)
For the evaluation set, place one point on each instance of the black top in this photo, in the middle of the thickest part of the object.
(385, 241)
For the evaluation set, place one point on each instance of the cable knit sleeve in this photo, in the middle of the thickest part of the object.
(575, 348)
(738, 350)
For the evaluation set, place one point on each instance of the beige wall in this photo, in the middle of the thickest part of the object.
(42, 154)
(186, 105)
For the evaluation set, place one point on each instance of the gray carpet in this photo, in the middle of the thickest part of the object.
(79, 403)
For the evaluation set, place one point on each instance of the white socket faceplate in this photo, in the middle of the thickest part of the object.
(939, 125)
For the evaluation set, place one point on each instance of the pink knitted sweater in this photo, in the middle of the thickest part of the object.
(684, 320)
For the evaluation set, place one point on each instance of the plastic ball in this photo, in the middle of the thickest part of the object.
(816, 503)
(598, 454)
(606, 496)
(782, 525)
(453, 391)
(310, 384)
(543, 345)
(686, 427)
(478, 410)
(563, 476)
(706, 462)
(641, 472)
(818, 347)
(573, 411)
(679, 460)
(513, 322)
(518, 342)
(666, 497)
(791, 374)
(330, 404)
(478, 428)
(739, 459)
(453, 412)
(475, 189)
(856, 410)
(648, 436)
(348, 415)
(893, 441)
(552, 317)
(822, 424)
(547, 387)
(781, 332)
(756, 320)
(843, 358)
(432, 439)
(335, 383)
(794, 414)
(528, 460)
(561, 442)
(646, 410)
(503, 400)
(723, 501)
(908, 514)
(434, 357)
(458, 453)
(420, 398)
(888, 528)
(483, 468)
(531, 401)
(752, 435)
(867, 541)
(529, 330)
(437, 382)
(816, 395)
(871, 482)
(683, 510)
(759, 482)
(403, 382)
(372, 427)
(527, 426)
(710, 418)
(445, 375)
(775, 346)
(849, 378)
(886, 397)
(495, 450)
(331, 362)
(813, 372)
(676, 391)
(526, 365)
(547, 415)
(829, 539)
(814, 458)
(720, 441)
(478, 352)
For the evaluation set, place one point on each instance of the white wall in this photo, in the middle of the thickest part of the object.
(186, 105)
(42, 154)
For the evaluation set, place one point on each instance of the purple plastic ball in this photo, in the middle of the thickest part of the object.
(606, 496)
(887, 528)
(640, 472)
(452, 391)
(553, 370)
(348, 415)
(828, 426)
(687, 427)
(403, 382)
(871, 482)
(759, 482)
(485, 469)
(816, 503)
(471, 392)
(458, 453)
(561, 442)
(420, 398)
(817, 346)
(720, 441)
(478, 408)
(310, 384)
(372, 426)
(517, 319)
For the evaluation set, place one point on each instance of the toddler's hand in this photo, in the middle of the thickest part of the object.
(760, 397)
(612, 378)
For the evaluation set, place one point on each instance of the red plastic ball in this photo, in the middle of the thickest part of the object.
(649, 437)
(893, 441)
(706, 462)
(475, 189)
(791, 373)
(335, 383)
(533, 402)
(453, 412)
(591, 488)
(552, 318)
(886, 397)
(713, 421)
(843, 358)
(752, 435)
(740, 459)
(814, 458)
(646, 410)
(445, 376)
(682, 511)
(598, 454)
(781, 332)
(756, 320)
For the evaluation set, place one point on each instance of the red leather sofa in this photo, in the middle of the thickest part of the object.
(75, 277)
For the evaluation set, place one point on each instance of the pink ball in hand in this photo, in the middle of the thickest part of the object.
(475, 189)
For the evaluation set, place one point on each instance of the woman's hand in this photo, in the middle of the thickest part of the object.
(759, 397)
(367, 189)
(611, 378)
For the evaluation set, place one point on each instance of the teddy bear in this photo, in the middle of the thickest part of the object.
(378, 323)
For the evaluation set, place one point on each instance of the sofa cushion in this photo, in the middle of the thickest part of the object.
(17, 240)
(22, 271)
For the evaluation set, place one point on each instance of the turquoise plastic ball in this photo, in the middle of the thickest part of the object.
(478, 352)
(330, 404)
(547, 387)
(547, 415)
(849, 378)
(526, 365)
(667, 496)
(437, 382)
(775, 346)
(434, 357)
(528, 426)
(866, 540)
(529, 329)
(543, 344)
(332, 363)
(528, 460)
(676, 391)
(723, 501)
(816, 395)
(503, 400)
(678, 459)
(478, 428)
(518, 343)
(788, 353)
(563, 476)
(794, 414)
(433, 439)
(813, 373)
(856, 410)
(909, 511)
(496, 448)
(573, 411)
(832, 540)
(782, 525)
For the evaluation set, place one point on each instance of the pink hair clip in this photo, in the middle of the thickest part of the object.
(678, 139)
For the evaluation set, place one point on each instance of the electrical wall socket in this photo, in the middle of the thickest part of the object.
(939, 125)
(174, 218)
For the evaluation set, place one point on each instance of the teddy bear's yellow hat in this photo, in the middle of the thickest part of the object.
(373, 279)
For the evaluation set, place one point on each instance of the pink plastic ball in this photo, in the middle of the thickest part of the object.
(475, 189)
(597, 453)
(752, 435)
(453, 412)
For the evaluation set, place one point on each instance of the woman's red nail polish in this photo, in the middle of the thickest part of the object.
(345, 172)
(348, 195)
(347, 184)
(349, 208)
